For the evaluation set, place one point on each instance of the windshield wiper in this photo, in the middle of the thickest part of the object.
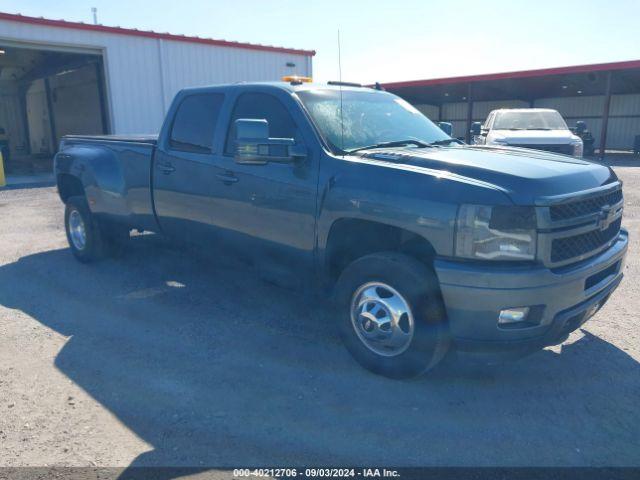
(396, 143)
(447, 141)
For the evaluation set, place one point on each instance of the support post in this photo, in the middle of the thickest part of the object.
(467, 135)
(101, 94)
(605, 115)
(52, 120)
(22, 94)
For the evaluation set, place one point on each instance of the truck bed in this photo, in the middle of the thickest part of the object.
(116, 175)
(148, 139)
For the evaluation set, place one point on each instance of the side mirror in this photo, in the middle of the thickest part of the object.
(255, 147)
(446, 127)
(581, 127)
(476, 128)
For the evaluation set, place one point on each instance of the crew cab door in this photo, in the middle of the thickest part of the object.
(184, 171)
(270, 210)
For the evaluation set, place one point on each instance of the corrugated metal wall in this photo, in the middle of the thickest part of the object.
(624, 115)
(143, 74)
(432, 112)
(193, 64)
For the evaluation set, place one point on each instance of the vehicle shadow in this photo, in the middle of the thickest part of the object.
(216, 368)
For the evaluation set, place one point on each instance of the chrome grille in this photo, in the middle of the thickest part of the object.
(578, 245)
(584, 207)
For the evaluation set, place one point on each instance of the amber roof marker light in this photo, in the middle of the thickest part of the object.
(296, 79)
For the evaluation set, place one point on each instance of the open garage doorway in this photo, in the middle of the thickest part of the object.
(45, 94)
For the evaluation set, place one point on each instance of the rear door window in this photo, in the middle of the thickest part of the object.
(195, 122)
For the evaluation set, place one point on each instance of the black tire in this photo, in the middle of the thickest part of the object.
(101, 241)
(418, 285)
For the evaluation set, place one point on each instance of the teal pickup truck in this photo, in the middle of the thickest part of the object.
(422, 244)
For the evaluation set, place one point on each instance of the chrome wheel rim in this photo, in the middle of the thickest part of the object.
(77, 230)
(382, 319)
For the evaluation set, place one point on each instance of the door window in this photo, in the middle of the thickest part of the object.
(261, 106)
(195, 122)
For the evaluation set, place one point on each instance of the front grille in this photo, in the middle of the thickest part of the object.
(564, 149)
(585, 207)
(570, 247)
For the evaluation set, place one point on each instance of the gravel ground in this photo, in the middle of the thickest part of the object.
(163, 357)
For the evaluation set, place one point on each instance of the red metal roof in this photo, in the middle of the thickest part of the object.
(596, 67)
(149, 34)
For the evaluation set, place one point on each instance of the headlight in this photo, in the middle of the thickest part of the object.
(496, 233)
(578, 148)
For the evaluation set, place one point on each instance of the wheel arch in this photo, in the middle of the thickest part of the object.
(69, 186)
(351, 238)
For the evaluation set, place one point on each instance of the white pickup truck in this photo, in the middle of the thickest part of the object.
(537, 128)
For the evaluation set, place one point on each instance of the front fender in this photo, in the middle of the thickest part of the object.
(420, 201)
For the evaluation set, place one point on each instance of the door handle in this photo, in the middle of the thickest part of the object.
(166, 168)
(227, 178)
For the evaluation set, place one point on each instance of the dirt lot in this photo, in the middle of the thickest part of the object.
(166, 358)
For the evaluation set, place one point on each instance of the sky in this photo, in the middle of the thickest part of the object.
(388, 40)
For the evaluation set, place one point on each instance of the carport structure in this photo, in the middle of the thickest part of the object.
(606, 96)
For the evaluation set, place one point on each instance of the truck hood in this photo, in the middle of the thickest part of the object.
(533, 137)
(527, 177)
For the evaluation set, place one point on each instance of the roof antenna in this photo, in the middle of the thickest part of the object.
(94, 10)
(340, 79)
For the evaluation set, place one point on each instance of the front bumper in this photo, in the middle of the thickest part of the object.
(564, 298)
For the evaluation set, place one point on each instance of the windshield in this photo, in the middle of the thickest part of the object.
(370, 117)
(529, 121)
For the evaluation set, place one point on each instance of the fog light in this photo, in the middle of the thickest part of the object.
(513, 315)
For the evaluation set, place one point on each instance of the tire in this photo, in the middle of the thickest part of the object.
(403, 346)
(87, 240)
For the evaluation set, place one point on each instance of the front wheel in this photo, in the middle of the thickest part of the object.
(392, 318)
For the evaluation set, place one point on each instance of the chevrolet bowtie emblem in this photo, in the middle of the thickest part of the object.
(606, 218)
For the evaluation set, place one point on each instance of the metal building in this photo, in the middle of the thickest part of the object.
(606, 96)
(59, 77)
